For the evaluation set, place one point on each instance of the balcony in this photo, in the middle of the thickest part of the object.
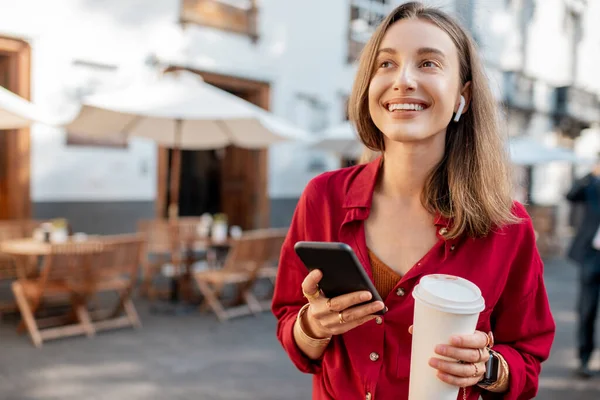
(518, 91)
(577, 104)
(365, 16)
(238, 16)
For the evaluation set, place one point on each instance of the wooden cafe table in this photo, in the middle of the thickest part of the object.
(23, 250)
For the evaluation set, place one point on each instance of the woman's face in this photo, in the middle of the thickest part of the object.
(415, 87)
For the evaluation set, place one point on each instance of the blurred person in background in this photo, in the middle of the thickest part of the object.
(437, 200)
(585, 252)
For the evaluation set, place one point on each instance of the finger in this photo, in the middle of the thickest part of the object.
(477, 340)
(352, 315)
(343, 328)
(410, 329)
(310, 284)
(345, 301)
(467, 355)
(466, 370)
(457, 380)
(322, 309)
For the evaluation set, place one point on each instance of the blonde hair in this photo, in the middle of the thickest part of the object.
(472, 183)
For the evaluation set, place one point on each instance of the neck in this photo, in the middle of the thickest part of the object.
(407, 166)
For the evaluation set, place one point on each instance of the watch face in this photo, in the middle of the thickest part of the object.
(492, 370)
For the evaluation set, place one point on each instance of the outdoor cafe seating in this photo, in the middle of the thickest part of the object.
(251, 258)
(15, 229)
(197, 260)
(72, 272)
(78, 271)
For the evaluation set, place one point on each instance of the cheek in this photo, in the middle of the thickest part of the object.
(447, 93)
(445, 97)
(375, 93)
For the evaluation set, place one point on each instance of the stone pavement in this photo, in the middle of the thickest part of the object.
(194, 357)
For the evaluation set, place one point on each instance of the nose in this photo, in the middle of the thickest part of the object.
(405, 81)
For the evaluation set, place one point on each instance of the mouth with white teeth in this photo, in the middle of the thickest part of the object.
(403, 107)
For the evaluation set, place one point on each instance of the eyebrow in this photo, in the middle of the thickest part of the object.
(388, 50)
(430, 50)
(421, 51)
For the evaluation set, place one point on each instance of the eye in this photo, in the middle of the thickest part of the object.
(429, 64)
(385, 64)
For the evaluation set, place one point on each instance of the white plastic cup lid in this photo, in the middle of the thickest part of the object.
(450, 294)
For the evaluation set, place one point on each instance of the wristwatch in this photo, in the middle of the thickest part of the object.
(492, 370)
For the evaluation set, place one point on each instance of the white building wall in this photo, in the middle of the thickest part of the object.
(550, 59)
(301, 51)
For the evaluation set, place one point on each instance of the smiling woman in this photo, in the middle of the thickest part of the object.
(437, 201)
(429, 60)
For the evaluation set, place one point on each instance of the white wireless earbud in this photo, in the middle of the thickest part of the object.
(461, 107)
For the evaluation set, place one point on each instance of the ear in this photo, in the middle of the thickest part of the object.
(466, 93)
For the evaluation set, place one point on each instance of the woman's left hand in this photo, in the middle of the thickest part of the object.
(472, 355)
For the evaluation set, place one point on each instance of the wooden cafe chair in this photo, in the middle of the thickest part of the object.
(117, 272)
(240, 270)
(67, 270)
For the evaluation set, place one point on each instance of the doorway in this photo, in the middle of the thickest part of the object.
(200, 189)
(232, 181)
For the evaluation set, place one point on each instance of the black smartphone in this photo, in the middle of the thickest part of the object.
(342, 272)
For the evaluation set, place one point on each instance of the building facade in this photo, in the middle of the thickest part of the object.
(295, 58)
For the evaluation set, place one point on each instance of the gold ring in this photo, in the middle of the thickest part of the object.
(476, 371)
(480, 355)
(342, 321)
(312, 296)
(490, 339)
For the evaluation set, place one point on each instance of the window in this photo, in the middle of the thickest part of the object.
(365, 16)
(239, 16)
(572, 27)
(310, 112)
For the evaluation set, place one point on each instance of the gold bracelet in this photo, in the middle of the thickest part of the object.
(310, 341)
(504, 377)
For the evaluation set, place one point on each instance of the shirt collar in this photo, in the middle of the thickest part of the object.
(359, 193)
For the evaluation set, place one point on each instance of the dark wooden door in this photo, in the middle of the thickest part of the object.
(4, 203)
(243, 172)
(15, 200)
(243, 187)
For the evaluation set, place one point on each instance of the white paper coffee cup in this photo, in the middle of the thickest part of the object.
(445, 306)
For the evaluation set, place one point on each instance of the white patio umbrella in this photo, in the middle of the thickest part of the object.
(179, 110)
(525, 150)
(341, 140)
(16, 112)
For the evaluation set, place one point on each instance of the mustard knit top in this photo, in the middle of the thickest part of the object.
(384, 277)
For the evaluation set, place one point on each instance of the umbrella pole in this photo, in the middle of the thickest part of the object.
(175, 175)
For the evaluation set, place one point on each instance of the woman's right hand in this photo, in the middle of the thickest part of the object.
(327, 317)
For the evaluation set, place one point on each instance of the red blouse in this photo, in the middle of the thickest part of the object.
(373, 360)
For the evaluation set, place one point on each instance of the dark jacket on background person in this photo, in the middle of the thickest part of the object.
(586, 191)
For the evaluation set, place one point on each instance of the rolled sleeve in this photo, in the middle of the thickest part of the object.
(517, 367)
(524, 342)
(286, 337)
(523, 325)
(287, 297)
